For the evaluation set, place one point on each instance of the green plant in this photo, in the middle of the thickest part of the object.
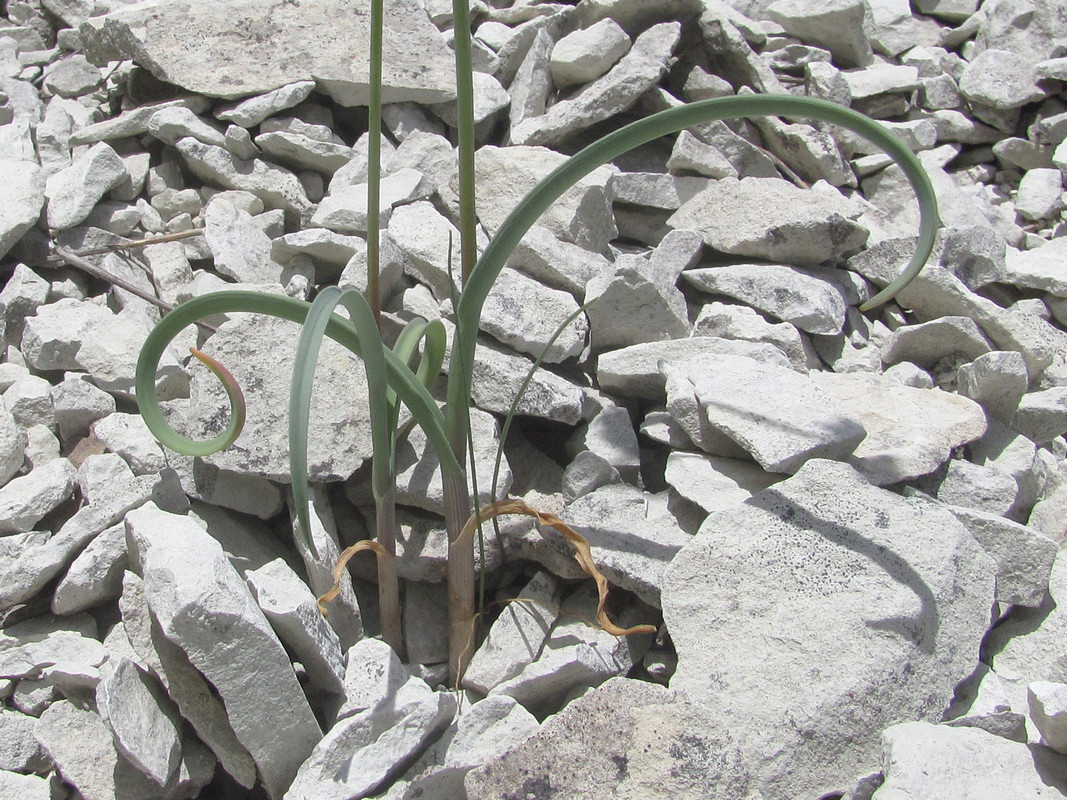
(389, 374)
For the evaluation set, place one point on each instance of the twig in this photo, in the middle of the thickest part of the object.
(127, 245)
(78, 262)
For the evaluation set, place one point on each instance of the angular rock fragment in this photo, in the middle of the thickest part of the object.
(1048, 709)
(780, 417)
(250, 112)
(283, 44)
(888, 587)
(910, 432)
(585, 55)
(498, 375)
(525, 315)
(772, 219)
(23, 199)
(24, 501)
(192, 590)
(630, 303)
(73, 192)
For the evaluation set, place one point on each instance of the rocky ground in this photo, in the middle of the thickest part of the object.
(845, 527)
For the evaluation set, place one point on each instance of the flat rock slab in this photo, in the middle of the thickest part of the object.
(202, 604)
(781, 417)
(624, 739)
(924, 760)
(246, 47)
(910, 431)
(832, 604)
(259, 351)
(773, 219)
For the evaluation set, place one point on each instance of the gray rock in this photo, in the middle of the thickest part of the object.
(498, 375)
(1024, 556)
(712, 482)
(330, 251)
(24, 501)
(1048, 710)
(530, 89)
(630, 303)
(981, 702)
(746, 324)
(304, 152)
(83, 749)
(559, 671)
(275, 186)
(582, 215)
(772, 219)
(30, 403)
(996, 380)
(292, 611)
(252, 111)
(490, 100)
(95, 576)
(929, 342)
(176, 555)
(425, 623)
(174, 123)
(910, 432)
(517, 636)
(77, 404)
(840, 27)
(1042, 416)
(19, 750)
(555, 262)
(780, 417)
(809, 299)
(259, 352)
(639, 70)
(23, 199)
(662, 737)
(1039, 268)
(608, 519)
(586, 54)
(129, 436)
(1000, 79)
(634, 371)
(417, 240)
(241, 249)
(198, 702)
(145, 725)
(361, 752)
(655, 189)
(979, 487)
(919, 610)
(923, 757)
(610, 435)
(1040, 193)
(373, 674)
(525, 315)
(26, 787)
(285, 44)
(345, 211)
(879, 79)
(73, 192)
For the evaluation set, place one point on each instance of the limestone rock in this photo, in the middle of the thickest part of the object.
(889, 587)
(24, 195)
(839, 26)
(73, 192)
(276, 45)
(585, 55)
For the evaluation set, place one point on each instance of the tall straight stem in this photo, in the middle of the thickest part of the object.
(388, 584)
(465, 135)
(374, 160)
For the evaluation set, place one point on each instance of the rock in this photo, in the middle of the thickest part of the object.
(259, 352)
(772, 219)
(919, 610)
(291, 609)
(582, 215)
(712, 482)
(73, 192)
(631, 303)
(778, 416)
(198, 702)
(27, 787)
(146, 727)
(1037, 268)
(373, 674)
(1042, 416)
(910, 432)
(530, 89)
(1039, 195)
(928, 343)
(996, 380)
(981, 702)
(498, 375)
(24, 501)
(1000, 79)
(361, 752)
(599, 746)
(1048, 710)
(275, 186)
(610, 435)
(82, 747)
(742, 323)
(638, 71)
(417, 241)
(19, 750)
(839, 26)
(252, 111)
(300, 151)
(523, 314)
(95, 575)
(241, 250)
(128, 436)
(490, 99)
(608, 518)
(23, 199)
(176, 556)
(559, 671)
(1024, 557)
(516, 637)
(554, 262)
(585, 55)
(922, 757)
(174, 123)
(425, 623)
(345, 211)
(275, 49)
(812, 300)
